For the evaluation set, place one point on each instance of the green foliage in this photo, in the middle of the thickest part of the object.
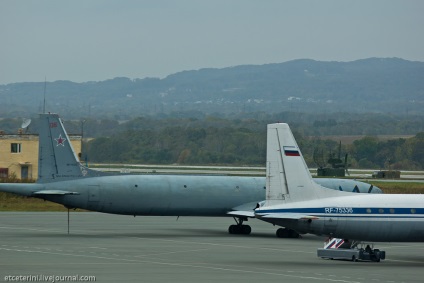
(417, 148)
(399, 187)
(365, 148)
(231, 145)
(399, 154)
(182, 146)
(213, 139)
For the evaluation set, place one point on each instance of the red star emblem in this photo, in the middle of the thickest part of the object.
(60, 141)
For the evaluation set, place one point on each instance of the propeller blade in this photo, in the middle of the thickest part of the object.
(356, 189)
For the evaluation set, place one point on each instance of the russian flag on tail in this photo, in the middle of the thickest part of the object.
(291, 151)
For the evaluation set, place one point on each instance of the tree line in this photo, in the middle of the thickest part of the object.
(197, 138)
(243, 146)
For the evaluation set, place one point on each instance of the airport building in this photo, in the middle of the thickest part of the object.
(19, 154)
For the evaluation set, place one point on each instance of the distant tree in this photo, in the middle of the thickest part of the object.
(417, 149)
(365, 148)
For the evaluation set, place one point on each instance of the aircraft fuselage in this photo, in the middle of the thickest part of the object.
(358, 217)
(160, 194)
(168, 195)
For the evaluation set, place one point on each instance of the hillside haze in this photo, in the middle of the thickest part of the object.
(377, 85)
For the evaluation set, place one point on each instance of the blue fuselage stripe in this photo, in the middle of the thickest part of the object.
(351, 211)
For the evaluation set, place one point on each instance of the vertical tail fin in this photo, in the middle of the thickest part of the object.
(57, 160)
(288, 176)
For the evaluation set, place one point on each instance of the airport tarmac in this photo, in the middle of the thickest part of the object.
(117, 248)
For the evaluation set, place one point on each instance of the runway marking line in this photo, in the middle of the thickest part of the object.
(97, 248)
(222, 245)
(176, 252)
(187, 265)
(406, 261)
(82, 232)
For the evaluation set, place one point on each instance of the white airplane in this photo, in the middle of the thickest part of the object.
(296, 202)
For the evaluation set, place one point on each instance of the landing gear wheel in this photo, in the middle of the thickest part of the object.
(282, 233)
(287, 233)
(240, 228)
(375, 256)
(246, 229)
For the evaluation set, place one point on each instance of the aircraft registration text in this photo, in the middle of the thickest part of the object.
(338, 210)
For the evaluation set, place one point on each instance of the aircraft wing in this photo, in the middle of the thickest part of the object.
(244, 210)
(54, 192)
(240, 213)
(294, 216)
(32, 190)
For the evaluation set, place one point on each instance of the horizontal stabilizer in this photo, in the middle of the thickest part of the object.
(296, 216)
(55, 192)
(240, 213)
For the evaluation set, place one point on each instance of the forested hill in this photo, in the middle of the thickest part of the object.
(377, 85)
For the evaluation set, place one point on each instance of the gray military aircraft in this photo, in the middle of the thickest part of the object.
(63, 179)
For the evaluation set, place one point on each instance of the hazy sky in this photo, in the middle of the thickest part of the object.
(94, 40)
